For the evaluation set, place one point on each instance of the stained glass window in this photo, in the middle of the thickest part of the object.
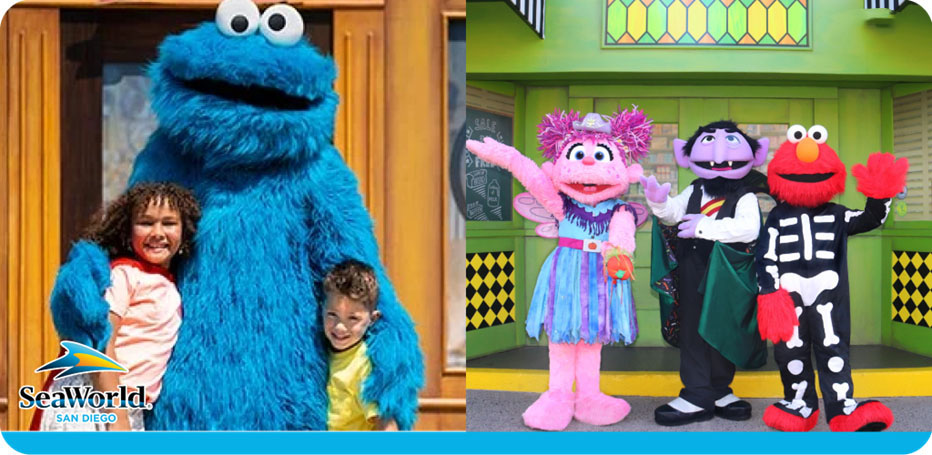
(750, 23)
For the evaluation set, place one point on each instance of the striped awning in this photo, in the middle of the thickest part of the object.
(532, 11)
(892, 5)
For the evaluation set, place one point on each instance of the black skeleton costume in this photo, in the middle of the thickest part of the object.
(804, 251)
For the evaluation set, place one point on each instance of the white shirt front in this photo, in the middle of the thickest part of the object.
(744, 227)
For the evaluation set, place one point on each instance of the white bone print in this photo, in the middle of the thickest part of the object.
(841, 394)
(772, 244)
(774, 272)
(795, 342)
(826, 312)
(798, 403)
(809, 288)
(841, 390)
(835, 364)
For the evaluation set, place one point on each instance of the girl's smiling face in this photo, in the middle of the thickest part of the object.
(156, 233)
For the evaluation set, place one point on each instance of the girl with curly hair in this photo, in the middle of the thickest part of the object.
(145, 231)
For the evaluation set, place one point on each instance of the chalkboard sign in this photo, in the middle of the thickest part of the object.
(487, 187)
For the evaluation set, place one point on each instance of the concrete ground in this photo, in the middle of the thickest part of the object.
(501, 411)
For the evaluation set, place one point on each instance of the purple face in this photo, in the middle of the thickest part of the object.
(720, 154)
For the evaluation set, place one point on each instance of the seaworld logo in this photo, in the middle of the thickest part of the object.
(81, 359)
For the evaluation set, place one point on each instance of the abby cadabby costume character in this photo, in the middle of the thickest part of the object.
(804, 305)
(583, 294)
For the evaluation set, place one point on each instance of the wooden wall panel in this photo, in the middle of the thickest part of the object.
(33, 174)
(359, 52)
(5, 339)
(415, 194)
(82, 90)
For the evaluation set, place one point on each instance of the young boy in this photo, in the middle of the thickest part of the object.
(352, 290)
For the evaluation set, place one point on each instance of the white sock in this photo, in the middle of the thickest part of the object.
(684, 406)
(726, 400)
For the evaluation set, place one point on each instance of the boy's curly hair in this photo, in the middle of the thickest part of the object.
(354, 280)
(112, 226)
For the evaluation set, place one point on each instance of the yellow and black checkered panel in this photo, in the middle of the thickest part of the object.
(490, 289)
(912, 287)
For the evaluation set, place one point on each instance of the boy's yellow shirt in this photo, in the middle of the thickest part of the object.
(348, 371)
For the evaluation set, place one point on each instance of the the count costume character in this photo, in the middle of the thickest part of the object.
(804, 306)
(581, 303)
(703, 268)
(245, 108)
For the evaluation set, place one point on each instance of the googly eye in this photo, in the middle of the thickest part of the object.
(237, 17)
(576, 152)
(818, 134)
(602, 153)
(282, 25)
(796, 133)
(707, 139)
(732, 139)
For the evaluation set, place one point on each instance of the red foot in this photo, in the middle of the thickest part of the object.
(779, 419)
(869, 416)
(776, 316)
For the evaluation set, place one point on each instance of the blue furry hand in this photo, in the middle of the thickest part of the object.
(397, 368)
(79, 310)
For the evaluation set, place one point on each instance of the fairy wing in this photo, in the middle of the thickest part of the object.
(528, 207)
(641, 214)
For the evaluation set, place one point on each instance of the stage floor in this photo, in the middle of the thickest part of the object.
(501, 411)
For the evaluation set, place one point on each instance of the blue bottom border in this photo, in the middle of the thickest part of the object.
(464, 442)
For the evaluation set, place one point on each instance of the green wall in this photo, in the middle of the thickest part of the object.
(852, 117)
(502, 47)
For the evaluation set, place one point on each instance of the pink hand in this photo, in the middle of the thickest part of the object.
(688, 226)
(492, 151)
(654, 191)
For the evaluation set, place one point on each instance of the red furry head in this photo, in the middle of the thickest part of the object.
(805, 171)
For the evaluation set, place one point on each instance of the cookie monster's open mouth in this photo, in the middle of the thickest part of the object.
(256, 95)
(723, 166)
(807, 178)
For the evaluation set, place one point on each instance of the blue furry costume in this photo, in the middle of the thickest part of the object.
(247, 125)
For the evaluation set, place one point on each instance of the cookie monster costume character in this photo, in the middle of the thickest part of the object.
(804, 306)
(703, 268)
(246, 108)
(581, 301)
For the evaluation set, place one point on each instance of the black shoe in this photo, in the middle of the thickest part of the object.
(668, 416)
(738, 410)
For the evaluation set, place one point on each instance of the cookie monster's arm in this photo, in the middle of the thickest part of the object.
(79, 310)
(341, 228)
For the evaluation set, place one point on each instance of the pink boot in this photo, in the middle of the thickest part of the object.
(593, 406)
(553, 411)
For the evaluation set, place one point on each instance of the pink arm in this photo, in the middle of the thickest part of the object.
(535, 179)
(621, 230)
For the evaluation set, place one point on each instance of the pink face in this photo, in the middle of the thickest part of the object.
(592, 171)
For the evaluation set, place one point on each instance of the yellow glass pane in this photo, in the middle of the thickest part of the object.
(757, 21)
(676, 20)
(776, 21)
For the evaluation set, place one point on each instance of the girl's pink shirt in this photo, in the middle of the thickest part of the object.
(148, 303)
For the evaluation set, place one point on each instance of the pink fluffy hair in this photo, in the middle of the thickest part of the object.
(631, 132)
